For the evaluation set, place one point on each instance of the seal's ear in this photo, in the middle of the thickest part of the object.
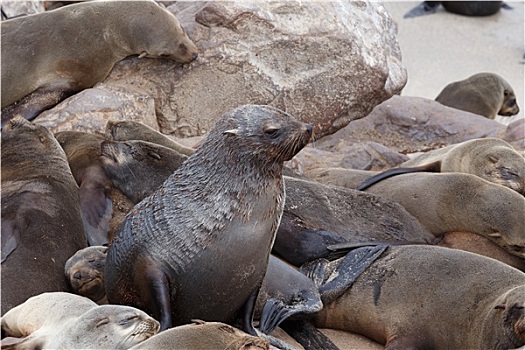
(143, 54)
(231, 132)
(500, 307)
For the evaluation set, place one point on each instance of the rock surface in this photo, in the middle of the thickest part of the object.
(326, 63)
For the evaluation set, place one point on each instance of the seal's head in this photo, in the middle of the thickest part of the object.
(107, 327)
(509, 318)
(509, 106)
(85, 272)
(165, 39)
(262, 132)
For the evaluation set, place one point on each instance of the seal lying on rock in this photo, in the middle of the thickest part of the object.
(426, 297)
(222, 205)
(41, 68)
(486, 94)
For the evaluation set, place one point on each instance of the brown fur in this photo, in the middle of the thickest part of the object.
(204, 335)
(85, 41)
(489, 158)
(433, 298)
(486, 94)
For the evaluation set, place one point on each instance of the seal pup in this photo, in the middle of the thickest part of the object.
(41, 222)
(35, 78)
(83, 154)
(126, 130)
(204, 335)
(456, 202)
(85, 273)
(486, 94)
(427, 297)
(129, 162)
(223, 204)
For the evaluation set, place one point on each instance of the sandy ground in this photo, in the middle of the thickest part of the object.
(444, 47)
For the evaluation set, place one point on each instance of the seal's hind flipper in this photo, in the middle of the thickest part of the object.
(347, 270)
(308, 336)
(425, 8)
(273, 313)
(434, 167)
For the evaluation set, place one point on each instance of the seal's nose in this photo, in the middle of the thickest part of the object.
(309, 128)
(194, 56)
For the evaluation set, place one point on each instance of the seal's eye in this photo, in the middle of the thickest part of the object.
(271, 132)
(129, 319)
(505, 93)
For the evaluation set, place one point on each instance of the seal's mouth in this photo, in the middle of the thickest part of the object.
(143, 330)
(108, 152)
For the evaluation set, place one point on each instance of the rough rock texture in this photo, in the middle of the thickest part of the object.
(413, 124)
(90, 110)
(326, 63)
(15, 8)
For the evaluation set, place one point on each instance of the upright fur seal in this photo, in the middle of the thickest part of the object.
(126, 130)
(222, 205)
(486, 94)
(41, 223)
(88, 38)
(427, 297)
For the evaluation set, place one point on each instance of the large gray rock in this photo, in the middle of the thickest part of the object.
(412, 124)
(325, 62)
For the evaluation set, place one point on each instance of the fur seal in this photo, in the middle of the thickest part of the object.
(35, 77)
(85, 273)
(204, 335)
(41, 222)
(68, 321)
(223, 204)
(427, 297)
(132, 130)
(456, 202)
(129, 162)
(83, 151)
(486, 94)
(489, 158)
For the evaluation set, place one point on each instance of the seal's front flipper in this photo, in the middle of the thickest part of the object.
(96, 211)
(425, 8)
(308, 336)
(35, 103)
(154, 289)
(273, 313)
(506, 6)
(10, 237)
(248, 312)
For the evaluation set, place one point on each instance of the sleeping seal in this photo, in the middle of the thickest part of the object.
(49, 56)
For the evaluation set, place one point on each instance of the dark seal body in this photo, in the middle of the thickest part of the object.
(48, 56)
(198, 247)
(41, 223)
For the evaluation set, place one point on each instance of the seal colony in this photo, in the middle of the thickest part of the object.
(223, 204)
(60, 63)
